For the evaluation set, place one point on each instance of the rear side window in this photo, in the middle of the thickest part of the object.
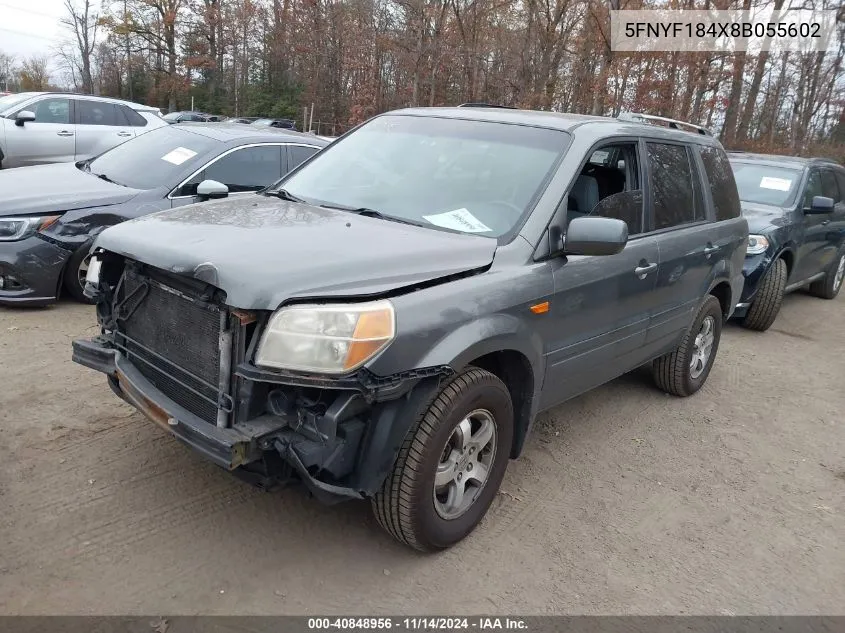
(97, 113)
(673, 192)
(134, 119)
(720, 178)
(829, 187)
(298, 154)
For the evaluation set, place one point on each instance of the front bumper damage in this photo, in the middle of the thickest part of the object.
(31, 271)
(753, 270)
(342, 452)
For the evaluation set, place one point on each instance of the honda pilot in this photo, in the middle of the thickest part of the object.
(388, 320)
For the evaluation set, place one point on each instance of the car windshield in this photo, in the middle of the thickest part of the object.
(765, 184)
(10, 101)
(453, 174)
(159, 157)
(262, 121)
(171, 116)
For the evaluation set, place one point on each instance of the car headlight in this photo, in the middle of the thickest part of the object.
(756, 244)
(13, 229)
(326, 339)
(92, 275)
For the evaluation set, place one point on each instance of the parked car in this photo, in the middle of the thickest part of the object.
(244, 119)
(181, 117)
(796, 213)
(388, 320)
(48, 127)
(49, 215)
(286, 124)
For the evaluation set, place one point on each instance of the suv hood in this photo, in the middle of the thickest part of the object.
(263, 251)
(45, 189)
(763, 217)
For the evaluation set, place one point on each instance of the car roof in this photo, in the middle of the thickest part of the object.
(135, 106)
(563, 121)
(779, 159)
(224, 131)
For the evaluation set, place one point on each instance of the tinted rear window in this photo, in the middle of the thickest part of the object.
(135, 119)
(765, 184)
(720, 178)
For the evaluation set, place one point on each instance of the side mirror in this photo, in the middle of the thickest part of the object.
(211, 190)
(595, 236)
(23, 116)
(821, 204)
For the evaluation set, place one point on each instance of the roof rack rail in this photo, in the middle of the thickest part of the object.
(485, 105)
(672, 123)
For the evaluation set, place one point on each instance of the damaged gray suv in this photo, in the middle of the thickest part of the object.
(388, 320)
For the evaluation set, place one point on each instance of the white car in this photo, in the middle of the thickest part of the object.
(55, 127)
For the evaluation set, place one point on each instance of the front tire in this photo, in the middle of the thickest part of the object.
(766, 305)
(74, 279)
(684, 370)
(830, 285)
(451, 464)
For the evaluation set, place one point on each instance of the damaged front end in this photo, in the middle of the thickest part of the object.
(173, 348)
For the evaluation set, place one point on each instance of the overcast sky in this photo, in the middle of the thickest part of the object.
(31, 27)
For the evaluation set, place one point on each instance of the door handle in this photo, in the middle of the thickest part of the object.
(124, 133)
(64, 133)
(643, 271)
(710, 249)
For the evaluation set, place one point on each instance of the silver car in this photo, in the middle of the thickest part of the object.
(45, 127)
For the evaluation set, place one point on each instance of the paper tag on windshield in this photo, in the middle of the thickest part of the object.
(780, 184)
(459, 220)
(179, 155)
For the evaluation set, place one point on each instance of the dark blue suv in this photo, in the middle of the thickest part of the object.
(795, 209)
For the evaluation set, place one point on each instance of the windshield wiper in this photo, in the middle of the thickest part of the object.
(107, 179)
(284, 194)
(371, 213)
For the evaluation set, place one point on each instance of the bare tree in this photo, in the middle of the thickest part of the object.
(83, 22)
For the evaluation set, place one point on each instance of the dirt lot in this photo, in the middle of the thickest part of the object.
(625, 501)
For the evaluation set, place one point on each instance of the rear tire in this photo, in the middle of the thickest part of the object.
(764, 309)
(684, 370)
(74, 279)
(464, 435)
(830, 285)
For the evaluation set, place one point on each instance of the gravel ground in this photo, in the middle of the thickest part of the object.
(625, 501)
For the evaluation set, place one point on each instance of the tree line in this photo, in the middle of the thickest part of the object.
(351, 59)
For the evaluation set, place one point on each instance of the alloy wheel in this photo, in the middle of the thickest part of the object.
(702, 347)
(465, 464)
(840, 274)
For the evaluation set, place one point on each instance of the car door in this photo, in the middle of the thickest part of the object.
(830, 227)
(243, 170)
(686, 237)
(812, 246)
(50, 138)
(99, 126)
(602, 305)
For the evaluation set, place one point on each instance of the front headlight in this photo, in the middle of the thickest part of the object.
(14, 229)
(326, 339)
(756, 244)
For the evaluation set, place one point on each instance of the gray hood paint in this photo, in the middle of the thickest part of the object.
(46, 189)
(263, 251)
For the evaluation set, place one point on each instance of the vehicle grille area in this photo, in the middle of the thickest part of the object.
(172, 339)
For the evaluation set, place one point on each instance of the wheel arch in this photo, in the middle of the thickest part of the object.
(507, 347)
